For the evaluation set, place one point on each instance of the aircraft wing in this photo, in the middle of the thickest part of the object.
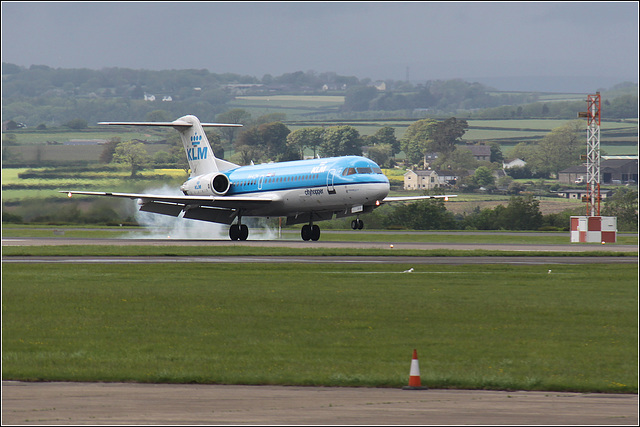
(225, 202)
(409, 198)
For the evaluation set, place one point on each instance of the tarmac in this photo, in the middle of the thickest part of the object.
(68, 403)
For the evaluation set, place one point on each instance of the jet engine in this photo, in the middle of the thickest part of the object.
(204, 185)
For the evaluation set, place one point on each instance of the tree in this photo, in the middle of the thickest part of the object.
(416, 140)
(132, 153)
(216, 144)
(380, 153)
(341, 141)
(358, 98)
(496, 153)
(483, 177)
(559, 149)
(446, 134)
(109, 150)
(385, 135)
(233, 116)
(76, 124)
(274, 140)
(266, 142)
(158, 116)
(305, 138)
(249, 145)
(522, 213)
(422, 215)
(624, 205)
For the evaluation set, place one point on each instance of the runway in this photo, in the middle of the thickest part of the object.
(60, 241)
(171, 404)
(392, 258)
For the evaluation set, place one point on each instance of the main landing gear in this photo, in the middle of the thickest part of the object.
(238, 232)
(310, 232)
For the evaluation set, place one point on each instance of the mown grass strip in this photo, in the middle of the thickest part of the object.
(129, 251)
(475, 326)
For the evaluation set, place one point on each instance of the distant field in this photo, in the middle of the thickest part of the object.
(126, 134)
(617, 138)
(16, 188)
(61, 153)
(293, 106)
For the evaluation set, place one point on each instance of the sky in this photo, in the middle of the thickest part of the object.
(551, 45)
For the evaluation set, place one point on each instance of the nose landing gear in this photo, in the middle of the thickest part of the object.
(357, 224)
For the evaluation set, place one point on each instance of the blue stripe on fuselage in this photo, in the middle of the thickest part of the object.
(302, 174)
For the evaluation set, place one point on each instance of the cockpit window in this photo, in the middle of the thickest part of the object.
(348, 171)
(377, 170)
(364, 170)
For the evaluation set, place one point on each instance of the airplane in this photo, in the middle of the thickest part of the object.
(303, 191)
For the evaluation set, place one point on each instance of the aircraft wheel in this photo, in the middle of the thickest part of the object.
(306, 232)
(234, 232)
(360, 224)
(243, 232)
(315, 232)
(354, 224)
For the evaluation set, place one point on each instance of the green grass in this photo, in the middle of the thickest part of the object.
(62, 232)
(475, 326)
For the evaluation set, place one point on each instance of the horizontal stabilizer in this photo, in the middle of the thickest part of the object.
(175, 123)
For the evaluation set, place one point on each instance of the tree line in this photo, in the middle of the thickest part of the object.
(41, 95)
(267, 139)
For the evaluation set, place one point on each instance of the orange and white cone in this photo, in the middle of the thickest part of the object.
(414, 374)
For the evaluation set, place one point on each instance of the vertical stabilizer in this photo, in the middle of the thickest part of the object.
(196, 145)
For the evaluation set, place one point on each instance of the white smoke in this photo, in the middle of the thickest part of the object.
(157, 226)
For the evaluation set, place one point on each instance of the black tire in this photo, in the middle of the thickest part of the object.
(315, 232)
(234, 232)
(244, 232)
(306, 232)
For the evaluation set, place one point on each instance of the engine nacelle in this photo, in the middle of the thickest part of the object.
(205, 185)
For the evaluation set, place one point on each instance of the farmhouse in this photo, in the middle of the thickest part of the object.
(579, 194)
(515, 163)
(421, 180)
(480, 152)
(612, 171)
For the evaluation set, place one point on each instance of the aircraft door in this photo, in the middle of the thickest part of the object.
(260, 181)
(330, 188)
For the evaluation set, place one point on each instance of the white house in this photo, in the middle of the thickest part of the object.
(515, 163)
(421, 180)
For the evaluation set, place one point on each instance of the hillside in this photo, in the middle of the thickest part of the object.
(44, 96)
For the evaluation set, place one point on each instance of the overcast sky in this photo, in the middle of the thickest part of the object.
(498, 42)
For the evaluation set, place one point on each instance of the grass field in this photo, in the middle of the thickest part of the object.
(291, 233)
(618, 138)
(475, 327)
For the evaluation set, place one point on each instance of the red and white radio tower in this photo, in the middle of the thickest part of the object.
(593, 154)
(593, 228)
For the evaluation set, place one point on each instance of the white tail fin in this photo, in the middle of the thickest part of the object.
(196, 145)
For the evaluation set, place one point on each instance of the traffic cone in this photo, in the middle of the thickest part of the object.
(414, 374)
